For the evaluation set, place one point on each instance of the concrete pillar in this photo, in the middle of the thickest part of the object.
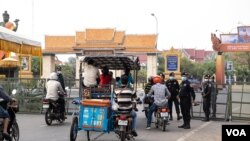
(77, 66)
(48, 64)
(151, 65)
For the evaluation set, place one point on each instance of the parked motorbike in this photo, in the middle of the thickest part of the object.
(53, 111)
(123, 127)
(13, 129)
(161, 117)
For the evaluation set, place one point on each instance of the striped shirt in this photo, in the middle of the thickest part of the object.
(124, 98)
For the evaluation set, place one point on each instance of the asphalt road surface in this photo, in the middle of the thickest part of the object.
(33, 128)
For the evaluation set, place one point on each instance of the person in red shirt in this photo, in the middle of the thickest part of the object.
(105, 78)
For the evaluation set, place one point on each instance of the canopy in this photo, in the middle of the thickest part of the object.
(13, 42)
(114, 62)
(9, 63)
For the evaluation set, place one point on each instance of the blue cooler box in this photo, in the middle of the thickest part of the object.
(94, 118)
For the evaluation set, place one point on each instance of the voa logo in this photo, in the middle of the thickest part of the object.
(236, 132)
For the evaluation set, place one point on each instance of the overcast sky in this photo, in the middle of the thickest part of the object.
(181, 23)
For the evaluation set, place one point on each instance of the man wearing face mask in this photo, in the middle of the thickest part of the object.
(186, 96)
(173, 87)
(213, 97)
(206, 94)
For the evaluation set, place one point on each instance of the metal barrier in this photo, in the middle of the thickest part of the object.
(233, 103)
(239, 103)
(221, 106)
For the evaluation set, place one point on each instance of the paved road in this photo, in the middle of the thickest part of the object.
(33, 127)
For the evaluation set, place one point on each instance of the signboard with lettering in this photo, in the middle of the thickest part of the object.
(172, 63)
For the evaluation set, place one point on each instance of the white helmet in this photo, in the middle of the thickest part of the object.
(53, 76)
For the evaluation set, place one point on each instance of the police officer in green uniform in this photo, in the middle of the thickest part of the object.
(206, 95)
(185, 95)
(173, 87)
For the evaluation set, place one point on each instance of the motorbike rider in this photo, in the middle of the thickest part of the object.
(173, 86)
(4, 113)
(60, 77)
(124, 101)
(161, 94)
(53, 87)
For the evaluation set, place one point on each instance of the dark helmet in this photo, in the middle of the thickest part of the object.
(150, 79)
(207, 76)
(59, 68)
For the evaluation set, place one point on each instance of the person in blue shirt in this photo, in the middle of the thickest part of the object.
(129, 75)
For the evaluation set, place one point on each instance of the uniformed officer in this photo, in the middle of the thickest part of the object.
(173, 87)
(185, 100)
(206, 94)
(213, 96)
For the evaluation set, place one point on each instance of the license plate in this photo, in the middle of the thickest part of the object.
(146, 105)
(164, 114)
(122, 122)
(45, 106)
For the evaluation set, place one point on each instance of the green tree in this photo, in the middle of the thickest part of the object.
(241, 61)
(35, 66)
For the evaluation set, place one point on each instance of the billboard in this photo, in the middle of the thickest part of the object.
(244, 34)
(172, 63)
(229, 38)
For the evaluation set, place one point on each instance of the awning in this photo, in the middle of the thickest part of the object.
(14, 42)
(114, 62)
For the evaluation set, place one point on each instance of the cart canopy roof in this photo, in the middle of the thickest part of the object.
(114, 62)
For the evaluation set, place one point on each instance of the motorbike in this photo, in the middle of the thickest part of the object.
(53, 111)
(161, 117)
(13, 129)
(123, 127)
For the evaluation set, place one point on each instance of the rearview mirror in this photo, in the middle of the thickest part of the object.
(14, 91)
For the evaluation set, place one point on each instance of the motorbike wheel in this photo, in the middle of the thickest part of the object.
(156, 120)
(48, 120)
(74, 129)
(164, 124)
(122, 136)
(15, 133)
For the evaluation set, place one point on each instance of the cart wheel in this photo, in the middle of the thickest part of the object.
(74, 129)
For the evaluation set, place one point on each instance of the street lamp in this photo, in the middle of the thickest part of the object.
(152, 14)
(156, 20)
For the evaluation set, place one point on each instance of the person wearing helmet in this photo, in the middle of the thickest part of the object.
(206, 95)
(173, 86)
(60, 77)
(185, 95)
(53, 87)
(161, 94)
